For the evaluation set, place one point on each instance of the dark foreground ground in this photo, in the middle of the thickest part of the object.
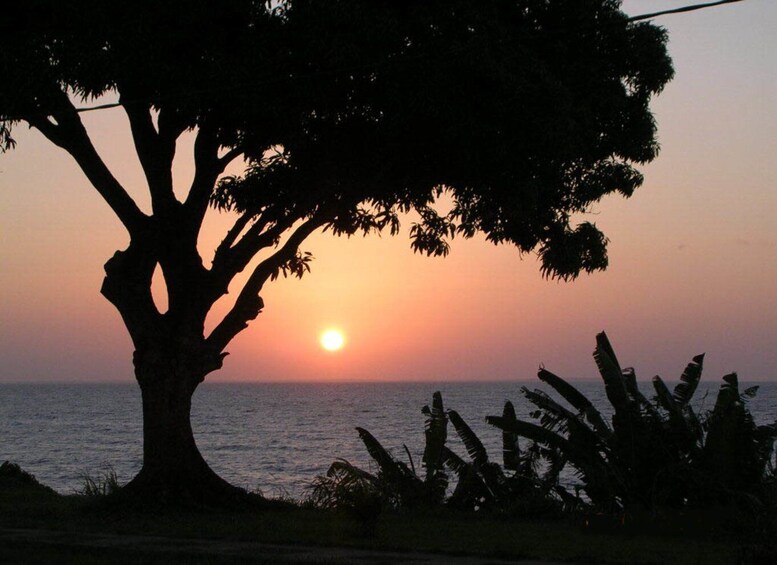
(47, 546)
(39, 526)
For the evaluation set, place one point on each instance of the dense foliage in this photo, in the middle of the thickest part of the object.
(655, 455)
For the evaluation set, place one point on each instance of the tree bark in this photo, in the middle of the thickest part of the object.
(174, 471)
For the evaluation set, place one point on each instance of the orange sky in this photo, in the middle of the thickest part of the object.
(693, 256)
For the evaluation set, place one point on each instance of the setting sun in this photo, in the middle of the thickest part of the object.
(332, 340)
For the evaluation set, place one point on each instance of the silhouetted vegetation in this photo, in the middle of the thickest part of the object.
(14, 478)
(655, 453)
(522, 114)
(654, 459)
(480, 484)
(105, 483)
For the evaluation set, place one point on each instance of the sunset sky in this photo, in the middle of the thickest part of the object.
(693, 256)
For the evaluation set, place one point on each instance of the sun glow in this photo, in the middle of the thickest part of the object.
(332, 340)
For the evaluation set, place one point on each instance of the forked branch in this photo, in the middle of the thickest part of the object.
(155, 154)
(70, 134)
(208, 167)
(249, 303)
(233, 258)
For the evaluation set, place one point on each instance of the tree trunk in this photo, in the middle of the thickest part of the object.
(174, 471)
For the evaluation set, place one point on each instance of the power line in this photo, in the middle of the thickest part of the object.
(682, 9)
(641, 17)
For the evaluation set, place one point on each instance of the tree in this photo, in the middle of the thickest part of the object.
(346, 113)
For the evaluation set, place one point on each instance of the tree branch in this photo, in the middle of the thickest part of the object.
(231, 155)
(231, 236)
(229, 261)
(69, 134)
(249, 304)
(208, 167)
(156, 156)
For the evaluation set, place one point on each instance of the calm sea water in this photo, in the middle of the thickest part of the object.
(268, 436)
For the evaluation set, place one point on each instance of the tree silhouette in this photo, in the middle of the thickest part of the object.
(347, 113)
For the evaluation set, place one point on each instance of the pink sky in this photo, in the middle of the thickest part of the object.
(693, 256)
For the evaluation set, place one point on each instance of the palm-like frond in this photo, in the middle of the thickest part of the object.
(471, 441)
(664, 396)
(578, 401)
(494, 479)
(589, 463)
(541, 435)
(511, 450)
(557, 418)
(392, 469)
(728, 393)
(612, 375)
(342, 486)
(350, 472)
(681, 418)
(470, 489)
(435, 433)
(689, 381)
(632, 389)
(453, 461)
(694, 424)
(735, 448)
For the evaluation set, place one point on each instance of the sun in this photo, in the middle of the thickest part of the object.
(332, 340)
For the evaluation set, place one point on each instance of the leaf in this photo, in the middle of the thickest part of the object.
(630, 382)
(612, 375)
(435, 433)
(471, 441)
(511, 449)
(665, 398)
(345, 468)
(694, 424)
(470, 488)
(728, 393)
(682, 422)
(556, 417)
(589, 463)
(452, 460)
(689, 381)
(393, 470)
(577, 400)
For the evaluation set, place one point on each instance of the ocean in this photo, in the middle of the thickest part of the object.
(272, 437)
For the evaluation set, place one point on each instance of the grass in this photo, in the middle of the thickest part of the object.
(29, 505)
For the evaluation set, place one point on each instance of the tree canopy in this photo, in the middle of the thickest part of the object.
(524, 111)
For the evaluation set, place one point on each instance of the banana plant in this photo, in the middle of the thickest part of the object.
(435, 435)
(629, 460)
(737, 452)
(525, 483)
(654, 452)
(396, 483)
(481, 482)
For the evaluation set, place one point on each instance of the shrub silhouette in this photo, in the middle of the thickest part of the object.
(654, 453)
(480, 483)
